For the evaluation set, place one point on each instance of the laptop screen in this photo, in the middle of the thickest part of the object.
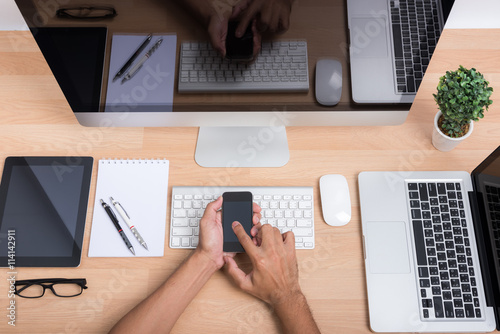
(446, 6)
(486, 180)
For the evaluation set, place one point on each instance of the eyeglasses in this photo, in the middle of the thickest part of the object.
(61, 287)
(86, 12)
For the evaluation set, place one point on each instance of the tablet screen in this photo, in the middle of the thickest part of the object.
(43, 205)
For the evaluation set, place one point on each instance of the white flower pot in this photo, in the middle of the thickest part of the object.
(444, 143)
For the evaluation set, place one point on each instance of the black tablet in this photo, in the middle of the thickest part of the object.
(43, 207)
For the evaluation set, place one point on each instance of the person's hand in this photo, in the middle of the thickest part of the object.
(217, 28)
(217, 32)
(274, 277)
(270, 15)
(211, 235)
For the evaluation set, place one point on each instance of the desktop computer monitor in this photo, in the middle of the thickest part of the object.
(236, 129)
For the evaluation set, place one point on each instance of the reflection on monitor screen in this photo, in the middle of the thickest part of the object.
(86, 50)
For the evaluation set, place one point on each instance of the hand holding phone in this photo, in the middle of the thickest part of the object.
(239, 49)
(236, 206)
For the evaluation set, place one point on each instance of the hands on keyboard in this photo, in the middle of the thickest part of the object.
(288, 208)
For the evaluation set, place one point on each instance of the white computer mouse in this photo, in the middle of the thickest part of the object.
(335, 199)
(328, 81)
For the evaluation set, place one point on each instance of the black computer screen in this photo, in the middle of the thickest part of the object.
(76, 57)
(486, 181)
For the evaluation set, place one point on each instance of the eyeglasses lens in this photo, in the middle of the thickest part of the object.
(67, 289)
(32, 291)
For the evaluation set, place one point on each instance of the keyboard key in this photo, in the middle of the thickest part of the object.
(422, 189)
(469, 311)
(302, 232)
(177, 231)
(416, 214)
(448, 309)
(419, 242)
(176, 242)
(438, 307)
(180, 213)
(425, 283)
(185, 242)
(412, 186)
(423, 272)
(179, 222)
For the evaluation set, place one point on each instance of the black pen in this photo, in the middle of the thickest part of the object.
(115, 222)
(132, 58)
(139, 64)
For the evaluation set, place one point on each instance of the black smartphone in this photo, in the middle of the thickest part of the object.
(240, 49)
(236, 206)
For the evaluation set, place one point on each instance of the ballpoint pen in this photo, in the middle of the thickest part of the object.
(139, 64)
(132, 58)
(127, 220)
(115, 222)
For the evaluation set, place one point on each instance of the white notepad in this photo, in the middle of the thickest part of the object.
(141, 187)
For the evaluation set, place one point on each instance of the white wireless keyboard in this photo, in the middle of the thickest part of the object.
(288, 208)
(281, 66)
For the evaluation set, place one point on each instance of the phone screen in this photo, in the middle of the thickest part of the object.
(236, 206)
(239, 48)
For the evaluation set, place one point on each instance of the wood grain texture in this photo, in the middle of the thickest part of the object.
(36, 120)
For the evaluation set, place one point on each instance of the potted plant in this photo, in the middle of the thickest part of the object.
(462, 96)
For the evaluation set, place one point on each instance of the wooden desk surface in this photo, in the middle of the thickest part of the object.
(36, 120)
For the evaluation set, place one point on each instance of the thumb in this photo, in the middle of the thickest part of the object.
(238, 276)
(217, 31)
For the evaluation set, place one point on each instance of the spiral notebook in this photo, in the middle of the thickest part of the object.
(141, 187)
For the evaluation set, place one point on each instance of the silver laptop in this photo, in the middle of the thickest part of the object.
(432, 248)
(391, 43)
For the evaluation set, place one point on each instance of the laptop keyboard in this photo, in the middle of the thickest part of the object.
(415, 29)
(448, 286)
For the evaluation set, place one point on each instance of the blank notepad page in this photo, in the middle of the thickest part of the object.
(141, 187)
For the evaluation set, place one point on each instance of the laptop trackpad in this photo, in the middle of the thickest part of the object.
(368, 38)
(387, 248)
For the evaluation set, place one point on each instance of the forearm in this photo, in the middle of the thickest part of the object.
(159, 312)
(295, 316)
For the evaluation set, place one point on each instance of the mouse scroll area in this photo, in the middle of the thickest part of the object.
(328, 89)
(335, 199)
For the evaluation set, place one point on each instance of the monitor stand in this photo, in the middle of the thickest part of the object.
(242, 146)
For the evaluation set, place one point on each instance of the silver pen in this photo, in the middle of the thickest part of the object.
(139, 64)
(126, 218)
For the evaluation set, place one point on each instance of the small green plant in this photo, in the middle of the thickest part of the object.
(462, 96)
